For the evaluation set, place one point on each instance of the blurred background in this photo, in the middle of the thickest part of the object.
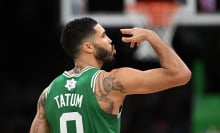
(32, 56)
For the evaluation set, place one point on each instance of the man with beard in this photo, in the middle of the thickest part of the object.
(87, 99)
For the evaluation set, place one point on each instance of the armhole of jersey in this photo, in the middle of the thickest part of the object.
(94, 79)
(93, 89)
(47, 91)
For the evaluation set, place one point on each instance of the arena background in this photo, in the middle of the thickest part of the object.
(31, 56)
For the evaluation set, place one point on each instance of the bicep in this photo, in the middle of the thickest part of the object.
(144, 82)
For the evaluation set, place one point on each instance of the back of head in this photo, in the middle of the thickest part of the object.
(74, 34)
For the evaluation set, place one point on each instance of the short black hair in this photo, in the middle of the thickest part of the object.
(75, 32)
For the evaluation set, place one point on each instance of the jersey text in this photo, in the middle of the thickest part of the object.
(69, 99)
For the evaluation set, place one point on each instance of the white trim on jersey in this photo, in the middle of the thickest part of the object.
(48, 90)
(94, 79)
(66, 74)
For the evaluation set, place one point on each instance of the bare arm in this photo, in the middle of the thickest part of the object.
(40, 123)
(173, 71)
(112, 87)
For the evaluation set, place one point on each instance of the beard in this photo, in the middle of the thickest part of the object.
(104, 55)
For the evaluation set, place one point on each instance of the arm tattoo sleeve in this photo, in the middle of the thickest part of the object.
(40, 116)
(38, 122)
(109, 84)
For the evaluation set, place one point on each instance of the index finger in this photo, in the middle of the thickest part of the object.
(126, 31)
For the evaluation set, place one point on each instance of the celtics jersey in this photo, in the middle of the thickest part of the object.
(71, 105)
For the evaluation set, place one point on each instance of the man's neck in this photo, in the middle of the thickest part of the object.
(80, 65)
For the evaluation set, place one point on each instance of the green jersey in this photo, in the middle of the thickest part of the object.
(71, 105)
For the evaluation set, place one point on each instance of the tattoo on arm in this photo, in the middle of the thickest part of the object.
(110, 107)
(40, 116)
(41, 101)
(109, 84)
(38, 122)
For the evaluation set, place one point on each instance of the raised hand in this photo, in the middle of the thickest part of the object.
(138, 35)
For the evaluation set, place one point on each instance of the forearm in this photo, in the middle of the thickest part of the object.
(173, 70)
(167, 56)
(170, 62)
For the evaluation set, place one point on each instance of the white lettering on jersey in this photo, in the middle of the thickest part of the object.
(69, 99)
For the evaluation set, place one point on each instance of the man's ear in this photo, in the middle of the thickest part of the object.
(87, 47)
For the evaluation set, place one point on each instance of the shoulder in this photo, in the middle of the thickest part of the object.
(123, 74)
(121, 71)
(42, 100)
(116, 79)
(60, 79)
(113, 79)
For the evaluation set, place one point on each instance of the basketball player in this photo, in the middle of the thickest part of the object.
(87, 99)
